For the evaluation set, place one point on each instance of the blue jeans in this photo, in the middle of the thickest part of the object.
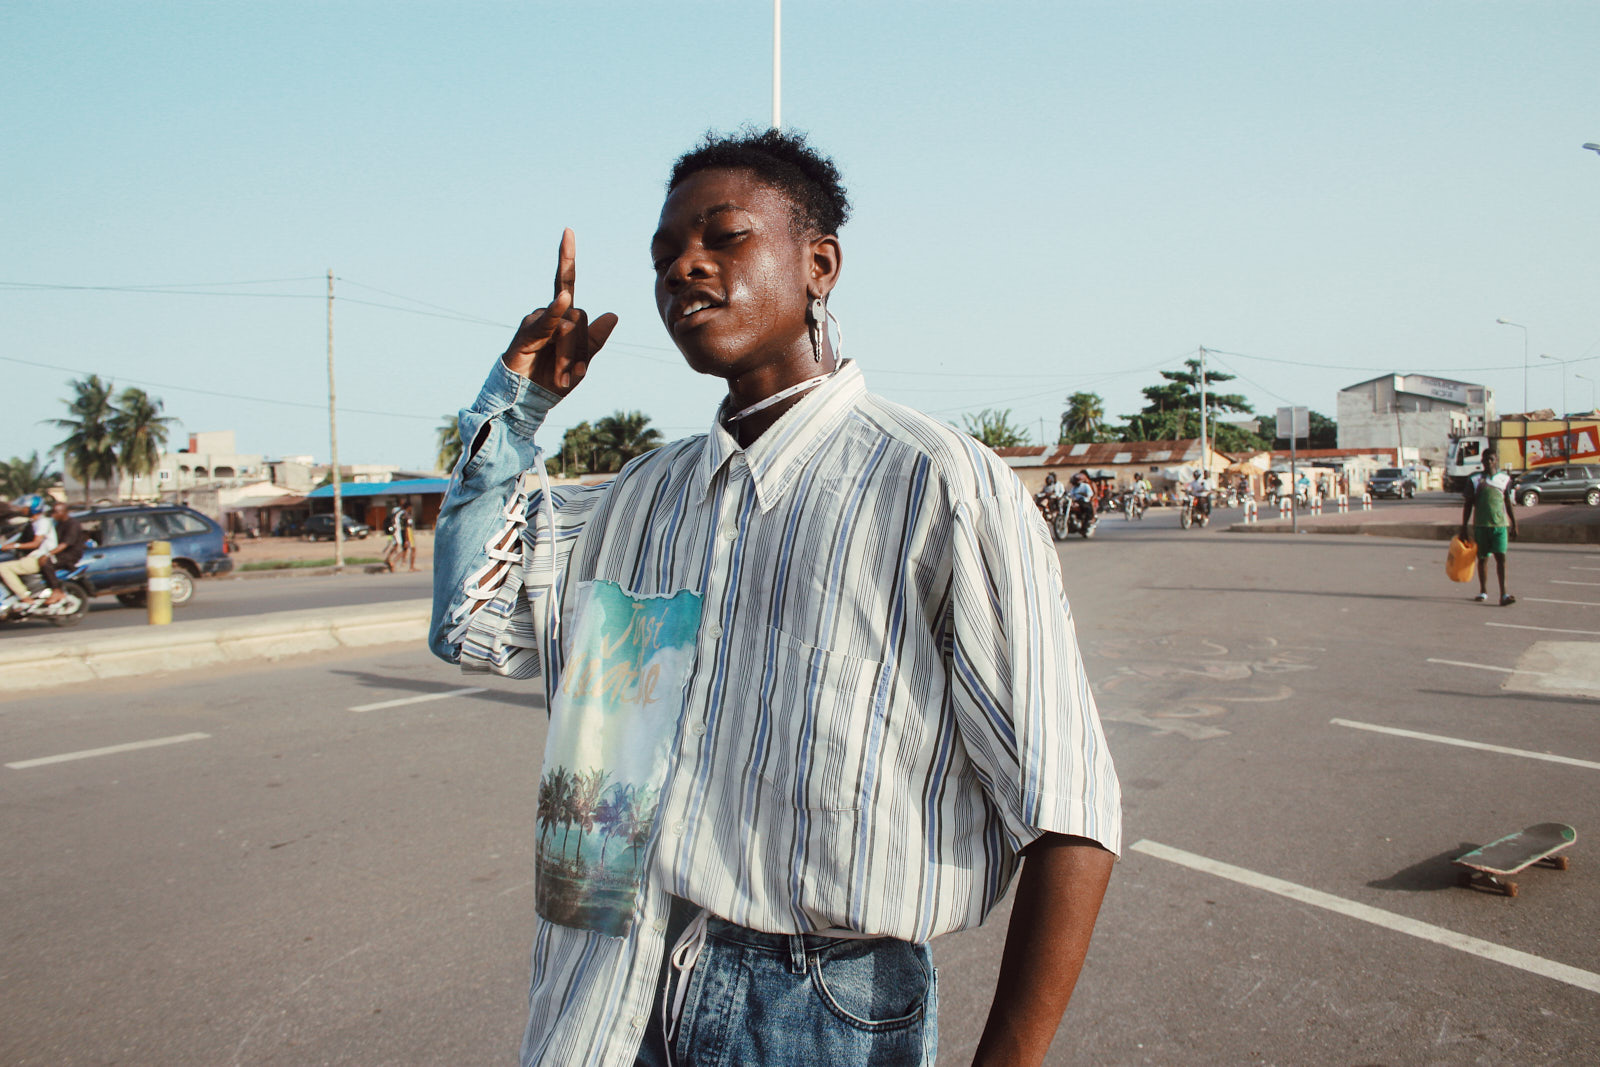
(780, 1000)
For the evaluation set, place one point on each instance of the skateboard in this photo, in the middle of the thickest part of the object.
(1493, 865)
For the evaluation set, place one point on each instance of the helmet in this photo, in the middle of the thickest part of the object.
(35, 504)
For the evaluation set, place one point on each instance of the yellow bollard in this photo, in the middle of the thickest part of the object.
(158, 590)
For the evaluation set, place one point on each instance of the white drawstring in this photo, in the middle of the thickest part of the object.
(685, 954)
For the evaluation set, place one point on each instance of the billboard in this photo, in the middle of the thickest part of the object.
(1437, 388)
(1582, 445)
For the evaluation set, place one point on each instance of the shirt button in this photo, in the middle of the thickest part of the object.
(638, 1022)
(698, 729)
(714, 632)
(660, 926)
(677, 828)
(730, 535)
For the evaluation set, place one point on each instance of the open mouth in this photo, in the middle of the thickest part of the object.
(694, 312)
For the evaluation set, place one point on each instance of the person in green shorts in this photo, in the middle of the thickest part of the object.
(1489, 495)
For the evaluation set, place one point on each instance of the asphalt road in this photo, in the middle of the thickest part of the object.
(310, 884)
(235, 597)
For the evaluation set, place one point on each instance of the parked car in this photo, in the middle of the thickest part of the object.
(1569, 482)
(320, 528)
(1392, 481)
(116, 562)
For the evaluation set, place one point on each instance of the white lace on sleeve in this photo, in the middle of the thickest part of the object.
(493, 624)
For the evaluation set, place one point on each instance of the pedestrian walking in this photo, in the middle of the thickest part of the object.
(815, 694)
(1490, 513)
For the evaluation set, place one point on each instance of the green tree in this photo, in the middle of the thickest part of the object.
(1084, 420)
(449, 443)
(620, 437)
(21, 477)
(994, 428)
(140, 431)
(1324, 432)
(90, 449)
(578, 453)
(1172, 411)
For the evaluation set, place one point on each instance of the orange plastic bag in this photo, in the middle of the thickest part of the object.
(1462, 562)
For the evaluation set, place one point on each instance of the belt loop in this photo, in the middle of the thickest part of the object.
(797, 953)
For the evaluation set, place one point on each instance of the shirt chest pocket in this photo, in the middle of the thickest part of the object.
(823, 712)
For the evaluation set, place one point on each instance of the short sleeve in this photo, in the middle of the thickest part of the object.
(1020, 694)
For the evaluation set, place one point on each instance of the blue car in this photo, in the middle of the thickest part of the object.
(116, 563)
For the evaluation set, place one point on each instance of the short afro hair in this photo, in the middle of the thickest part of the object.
(783, 160)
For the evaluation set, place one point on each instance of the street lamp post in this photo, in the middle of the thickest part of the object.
(1586, 378)
(1563, 363)
(1524, 329)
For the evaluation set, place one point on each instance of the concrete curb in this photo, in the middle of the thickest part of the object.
(59, 659)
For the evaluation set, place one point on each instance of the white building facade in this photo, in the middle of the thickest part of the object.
(1412, 411)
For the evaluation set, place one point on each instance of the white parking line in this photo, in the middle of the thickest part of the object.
(1570, 603)
(1563, 581)
(416, 700)
(1570, 683)
(1488, 950)
(1541, 629)
(1583, 568)
(1479, 745)
(108, 751)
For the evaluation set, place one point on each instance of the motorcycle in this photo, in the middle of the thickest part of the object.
(1195, 512)
(1079, 518)
(1133, 506)
(1050, 510)
(68, 611)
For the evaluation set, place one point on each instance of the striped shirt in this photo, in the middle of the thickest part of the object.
(883, 702)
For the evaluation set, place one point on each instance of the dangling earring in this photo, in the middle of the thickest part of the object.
(816, 316)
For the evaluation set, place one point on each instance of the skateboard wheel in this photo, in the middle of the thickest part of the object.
(1562, 862)
(1511, 889)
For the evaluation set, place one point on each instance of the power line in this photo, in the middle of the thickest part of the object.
(226, 396)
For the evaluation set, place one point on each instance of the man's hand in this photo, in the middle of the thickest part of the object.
(554, 345)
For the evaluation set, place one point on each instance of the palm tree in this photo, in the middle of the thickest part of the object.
(586, 801)
(621, 436)
(21, 477)
(90, 450)
(449, 442)
(1084, 418)
(140, 431)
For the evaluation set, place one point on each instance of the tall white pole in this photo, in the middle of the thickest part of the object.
(333, 445)
(1205, 455)
(777, 64)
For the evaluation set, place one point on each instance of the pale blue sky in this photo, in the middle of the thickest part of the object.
(1049, 197)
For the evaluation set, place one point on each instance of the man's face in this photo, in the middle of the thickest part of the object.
(1491, 462)
(731, 280)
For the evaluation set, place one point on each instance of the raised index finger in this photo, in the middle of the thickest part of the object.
(567, 264)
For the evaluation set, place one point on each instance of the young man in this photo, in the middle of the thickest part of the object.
(814, 690)
(405, 530)
(1489, 512)
(32, 553)
(71, 540)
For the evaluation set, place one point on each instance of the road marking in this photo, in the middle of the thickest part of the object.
(1573, 603)
(1541, 629)
(1583, 568)
(108, 751)
(1488, 950)
(1570, 683)
(1397, 732)
(416, 700)
(1563, 581)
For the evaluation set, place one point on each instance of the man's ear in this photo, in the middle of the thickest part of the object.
(826, 260)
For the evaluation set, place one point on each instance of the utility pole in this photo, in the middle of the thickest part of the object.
(777, 64)
(1205, 454)
(333, 445)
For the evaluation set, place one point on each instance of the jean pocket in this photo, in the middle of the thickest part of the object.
(878, 986)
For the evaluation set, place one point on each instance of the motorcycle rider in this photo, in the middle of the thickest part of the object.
(29, 553)
(71, 540)
(1051, 496)
(1082, 496)
(1200, 493)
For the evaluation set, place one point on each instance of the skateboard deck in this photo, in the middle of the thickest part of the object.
(1493, 865)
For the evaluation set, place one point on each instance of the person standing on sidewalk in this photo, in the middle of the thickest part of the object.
(1489, 513)
(815, 692)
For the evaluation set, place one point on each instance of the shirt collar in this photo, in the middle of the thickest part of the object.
(781, 453)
